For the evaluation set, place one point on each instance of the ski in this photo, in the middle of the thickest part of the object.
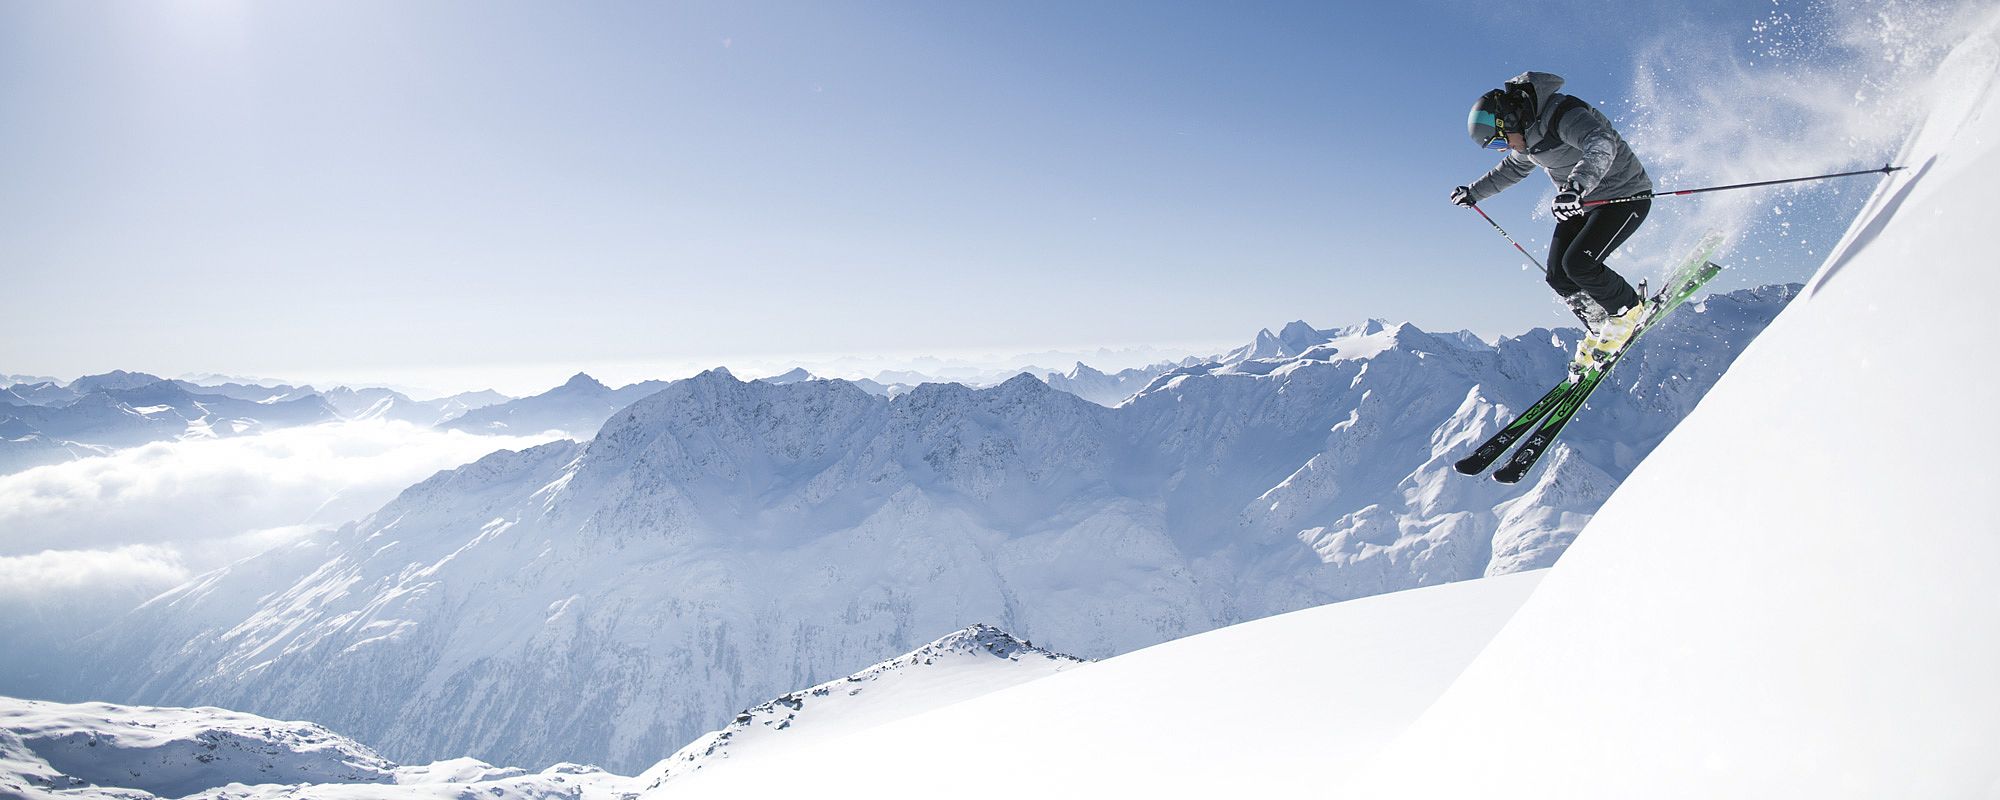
(1565, 398)
(1686, 280)
(1496, 445)
(1531, 450)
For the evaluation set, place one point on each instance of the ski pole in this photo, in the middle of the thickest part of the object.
(1510, 239)
(1884, 169)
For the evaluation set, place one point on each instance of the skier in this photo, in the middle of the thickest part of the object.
(1588, 161)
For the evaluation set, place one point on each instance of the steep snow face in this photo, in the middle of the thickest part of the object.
(1844, 644)
(722, 542)
(969, 663)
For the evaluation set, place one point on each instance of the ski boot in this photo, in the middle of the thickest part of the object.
(1594, 318)
(1586, 309)
(1616, 333)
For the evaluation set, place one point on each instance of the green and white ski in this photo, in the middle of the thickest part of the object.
(1547, 416)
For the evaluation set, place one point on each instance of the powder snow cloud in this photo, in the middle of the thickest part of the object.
(1814, 88)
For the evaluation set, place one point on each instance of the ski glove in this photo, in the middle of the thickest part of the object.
(1462, 196)
(1569, 203)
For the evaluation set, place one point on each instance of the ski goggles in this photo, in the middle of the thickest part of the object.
(1486, 129)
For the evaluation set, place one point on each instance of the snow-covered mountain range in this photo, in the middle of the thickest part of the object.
(388, 404)
(49, 423)
(1105, 388)
(720, 542)
(869, 385)
(124, 410)
(577, 408)
(100, 751)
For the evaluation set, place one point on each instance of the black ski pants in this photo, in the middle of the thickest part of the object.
(1582, 243)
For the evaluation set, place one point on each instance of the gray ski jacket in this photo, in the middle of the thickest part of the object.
(1584, 149)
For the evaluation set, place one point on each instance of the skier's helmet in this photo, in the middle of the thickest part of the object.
(1501, 112)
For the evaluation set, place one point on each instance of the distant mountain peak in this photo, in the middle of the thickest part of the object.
(1084, 371)
(162, 390)
(113, 380)
(1298, 330)
(794, 375)
(583, 381)
(1024, 382)
(716, 375)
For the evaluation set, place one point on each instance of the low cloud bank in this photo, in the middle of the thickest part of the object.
(85, 541)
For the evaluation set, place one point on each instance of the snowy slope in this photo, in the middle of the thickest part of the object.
(53, 751)
(976, 661)
(173, 751)
(1275, 708)
(1846, 645)
(720, 542)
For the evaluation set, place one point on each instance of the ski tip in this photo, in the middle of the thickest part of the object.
(1509, 478)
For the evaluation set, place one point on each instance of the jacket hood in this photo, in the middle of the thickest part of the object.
(1546, 84)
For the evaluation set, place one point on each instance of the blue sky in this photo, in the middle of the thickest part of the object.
(366, 187)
